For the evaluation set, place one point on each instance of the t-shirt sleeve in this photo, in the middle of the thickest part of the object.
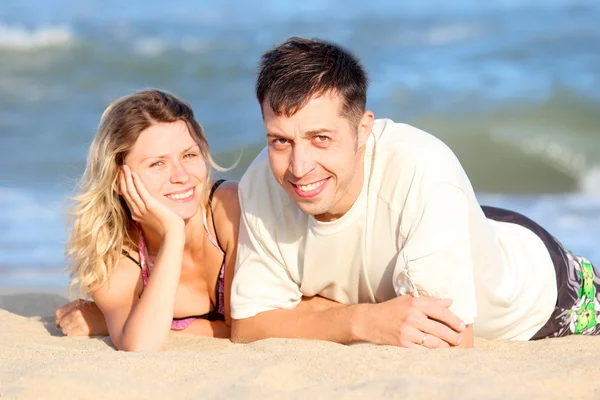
(260, 283)
(436, 258)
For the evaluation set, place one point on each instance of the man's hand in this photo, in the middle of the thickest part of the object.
(409, 321)
(81, 318)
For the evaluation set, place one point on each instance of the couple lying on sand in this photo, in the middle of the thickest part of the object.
(345, 228)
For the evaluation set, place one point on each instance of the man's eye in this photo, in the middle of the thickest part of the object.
(322, 138)
(281, 141)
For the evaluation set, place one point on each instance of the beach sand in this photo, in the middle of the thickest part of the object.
(37, 362)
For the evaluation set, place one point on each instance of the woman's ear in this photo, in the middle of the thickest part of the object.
(117, 186)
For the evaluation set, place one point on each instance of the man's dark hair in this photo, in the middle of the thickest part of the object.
(299, 69)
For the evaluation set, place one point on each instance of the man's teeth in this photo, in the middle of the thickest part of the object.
(311, 187)
(181, 196)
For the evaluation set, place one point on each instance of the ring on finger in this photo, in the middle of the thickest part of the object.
(424, 339)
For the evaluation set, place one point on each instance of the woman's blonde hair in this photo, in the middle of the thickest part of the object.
(100, 219)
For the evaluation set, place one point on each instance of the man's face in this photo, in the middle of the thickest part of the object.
(316, 155)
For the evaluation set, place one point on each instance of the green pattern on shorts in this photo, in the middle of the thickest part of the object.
(584, 314)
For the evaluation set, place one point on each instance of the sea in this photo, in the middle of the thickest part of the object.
(512, 86)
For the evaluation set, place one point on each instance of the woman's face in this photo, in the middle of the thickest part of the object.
(171, 166)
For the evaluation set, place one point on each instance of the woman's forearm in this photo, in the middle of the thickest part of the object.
(149, 322)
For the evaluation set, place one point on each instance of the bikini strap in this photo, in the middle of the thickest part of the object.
(126, 254)
(219, 279)
(212, 214)
(145, 261)
(214, 188)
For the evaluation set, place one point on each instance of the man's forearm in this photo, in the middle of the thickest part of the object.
(317, 303)
(336, 324)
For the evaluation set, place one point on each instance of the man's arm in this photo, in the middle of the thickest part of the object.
(401, 321)
(437, 257)
(334, 324)
(468, 339)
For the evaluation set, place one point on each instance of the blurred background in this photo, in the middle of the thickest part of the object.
(513, 86)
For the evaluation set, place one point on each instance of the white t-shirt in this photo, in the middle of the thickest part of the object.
(416, 227)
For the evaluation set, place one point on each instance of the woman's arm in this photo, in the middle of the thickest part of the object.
(142, 322)
(81, 318)
(84, 318)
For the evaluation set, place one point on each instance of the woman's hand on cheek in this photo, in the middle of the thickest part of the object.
(144, 208)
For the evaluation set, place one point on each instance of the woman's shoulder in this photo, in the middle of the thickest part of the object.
(225, 196)
(125, 277)
(226, 209)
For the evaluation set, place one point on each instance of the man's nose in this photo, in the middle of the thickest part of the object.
(301, 161)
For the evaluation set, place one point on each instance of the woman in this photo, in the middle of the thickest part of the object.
(153, 240)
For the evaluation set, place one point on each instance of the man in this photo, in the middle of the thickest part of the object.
(381, 217)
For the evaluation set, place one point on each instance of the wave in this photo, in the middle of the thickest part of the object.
(33, 228)
(156, 46)
(20, 38)
(552, 147)
(446, 34)
(590, 182)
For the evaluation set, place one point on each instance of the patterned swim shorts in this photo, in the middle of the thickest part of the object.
(577, 309)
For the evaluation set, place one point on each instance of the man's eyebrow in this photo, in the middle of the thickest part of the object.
(275, 135)
(311, 133)
(316, 132)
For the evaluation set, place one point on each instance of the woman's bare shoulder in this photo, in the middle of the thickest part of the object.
(226, 209)
(225, 197)
(125, 279)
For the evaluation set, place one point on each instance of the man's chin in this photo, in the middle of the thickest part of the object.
(311, 208)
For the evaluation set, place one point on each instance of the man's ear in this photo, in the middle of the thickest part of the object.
(365, 127)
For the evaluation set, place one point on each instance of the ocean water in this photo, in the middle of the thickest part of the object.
(513, 86)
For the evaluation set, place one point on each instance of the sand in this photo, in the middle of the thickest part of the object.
(37, 362)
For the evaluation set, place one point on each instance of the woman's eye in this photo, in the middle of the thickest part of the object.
(156, 164)
(190, 155)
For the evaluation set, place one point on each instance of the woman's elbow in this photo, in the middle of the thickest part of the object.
(136, 345)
